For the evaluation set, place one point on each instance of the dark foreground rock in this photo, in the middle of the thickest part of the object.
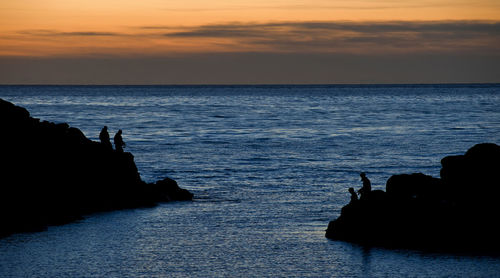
(458, 212)
(52, 174)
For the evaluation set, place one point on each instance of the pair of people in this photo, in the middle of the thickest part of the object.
(118, 140)
(364, 191)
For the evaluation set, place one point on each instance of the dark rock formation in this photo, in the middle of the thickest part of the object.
(168, 190)
(51, 174)
(458, 212)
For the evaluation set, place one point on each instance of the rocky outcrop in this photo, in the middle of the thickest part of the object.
(458, 212)
(51, 174)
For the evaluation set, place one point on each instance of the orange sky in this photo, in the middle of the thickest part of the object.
(92, 27)
(242, 41)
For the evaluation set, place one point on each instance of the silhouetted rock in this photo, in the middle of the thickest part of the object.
(458, 212)
(414, 186)
(52, 174)
(168, 190)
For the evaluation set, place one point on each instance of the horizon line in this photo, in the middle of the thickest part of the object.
(261, 84)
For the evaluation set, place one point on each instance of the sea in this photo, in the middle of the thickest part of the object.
(269, 167)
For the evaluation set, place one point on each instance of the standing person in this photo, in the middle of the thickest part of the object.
(104, 137)
(118, 140)
(367, 185)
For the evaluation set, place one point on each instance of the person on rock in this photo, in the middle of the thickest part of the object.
(367, 186)
(118, 140)
(104, 137)
(354, 196)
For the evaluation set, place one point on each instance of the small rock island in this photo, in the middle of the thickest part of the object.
(51, 174)
(460, 211)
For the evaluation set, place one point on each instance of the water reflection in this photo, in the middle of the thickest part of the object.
(265, 191)
(366, 261)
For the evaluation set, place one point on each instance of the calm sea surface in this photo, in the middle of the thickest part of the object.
(269, 167)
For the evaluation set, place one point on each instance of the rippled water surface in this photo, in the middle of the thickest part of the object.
(269, 167)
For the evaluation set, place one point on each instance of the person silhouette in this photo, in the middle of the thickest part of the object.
(118, 140)
(104, 137)
(367, 185)
(354, 196)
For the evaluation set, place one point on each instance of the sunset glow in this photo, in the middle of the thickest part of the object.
(127, 28)
(62, 27)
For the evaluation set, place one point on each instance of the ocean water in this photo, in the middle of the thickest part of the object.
(269, 167)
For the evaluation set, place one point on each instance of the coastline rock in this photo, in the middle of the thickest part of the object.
(457, 212)
(167, 190)
(51, 174)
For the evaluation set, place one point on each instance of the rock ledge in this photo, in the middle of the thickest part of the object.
(51, 174)
(458, 212)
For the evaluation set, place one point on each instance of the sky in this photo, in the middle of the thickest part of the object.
(249, 42)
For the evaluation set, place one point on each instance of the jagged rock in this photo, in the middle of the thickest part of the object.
(170, 191)
(473, 176)
(51, 174)
(414, 186)
(459, 211)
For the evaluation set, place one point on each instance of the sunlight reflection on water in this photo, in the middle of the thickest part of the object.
(269, 169)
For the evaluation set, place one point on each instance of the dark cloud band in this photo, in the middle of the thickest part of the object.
(314, 37)
(341, 36)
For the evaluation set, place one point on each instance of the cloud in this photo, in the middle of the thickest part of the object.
(55, 33)
(279, 37)
(332, 28)
(90, 34)
(341, 36)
